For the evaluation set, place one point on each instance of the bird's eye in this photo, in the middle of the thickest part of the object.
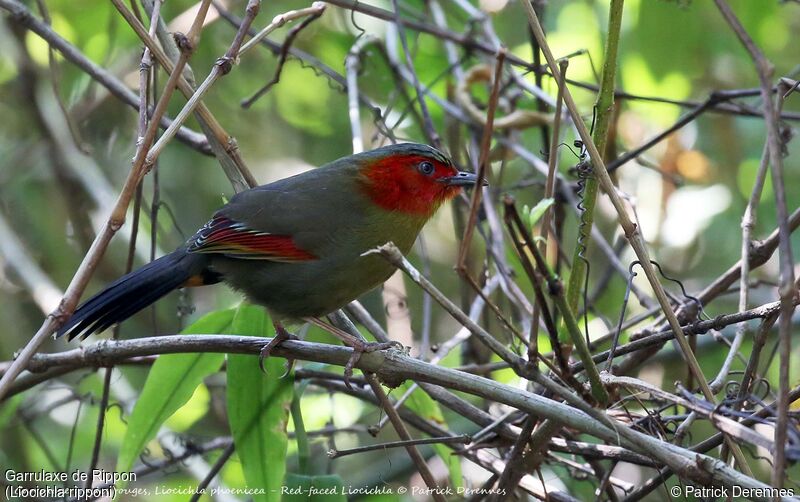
(426, 167)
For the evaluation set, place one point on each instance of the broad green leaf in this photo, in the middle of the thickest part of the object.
(299, 488)
(194, 409)
(258, 409)
(429, 409)
(170, 384)
(538, 211)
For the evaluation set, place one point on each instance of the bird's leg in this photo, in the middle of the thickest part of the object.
(281, 335)
(358, 345)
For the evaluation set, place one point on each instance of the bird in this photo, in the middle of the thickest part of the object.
(296, 246)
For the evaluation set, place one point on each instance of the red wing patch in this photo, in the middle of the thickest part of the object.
(225, 236)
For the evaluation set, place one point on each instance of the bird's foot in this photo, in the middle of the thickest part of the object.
(360, 347)
(281, 335)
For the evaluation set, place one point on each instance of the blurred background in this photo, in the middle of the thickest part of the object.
(66, 146)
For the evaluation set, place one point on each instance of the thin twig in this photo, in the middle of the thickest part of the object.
(578, 277)
(223, 145)
(483, 164)
(284, 54)
(551, 244)
(748, 223)
(465, 439)
(393, 255)
(116, 87)
(787, 289)
(141, 130)
(393, 366)
(436, 492)
(115, 220)
(632, 232)
(556, 290)
(695, 328)
(427, 122)
(221, 68)
(212, 473)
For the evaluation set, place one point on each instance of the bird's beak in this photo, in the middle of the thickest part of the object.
(462, 179)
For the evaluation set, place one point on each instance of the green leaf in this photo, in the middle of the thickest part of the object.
(538, 211)
(258, 409)
(170, 384)
(192, 411)
(299, 488)
(429, 409)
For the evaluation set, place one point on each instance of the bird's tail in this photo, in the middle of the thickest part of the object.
(135, 291)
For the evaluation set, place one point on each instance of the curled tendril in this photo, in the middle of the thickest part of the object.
(618, 330)
(584, 171)
(631, 275)
(700, 311)
(573, 152)
(361, 31)
(117, 405)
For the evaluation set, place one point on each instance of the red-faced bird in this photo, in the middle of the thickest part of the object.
(296, 246)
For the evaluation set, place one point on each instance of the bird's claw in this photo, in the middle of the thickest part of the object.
(281, 336)
(361, 348)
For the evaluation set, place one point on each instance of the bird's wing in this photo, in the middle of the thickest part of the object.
(223, 235)
(290, 220)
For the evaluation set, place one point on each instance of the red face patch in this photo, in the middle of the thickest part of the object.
(409, 183)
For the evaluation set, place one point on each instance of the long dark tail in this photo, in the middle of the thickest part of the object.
(135, 291)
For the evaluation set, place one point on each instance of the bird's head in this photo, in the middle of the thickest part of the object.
(411, 178)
